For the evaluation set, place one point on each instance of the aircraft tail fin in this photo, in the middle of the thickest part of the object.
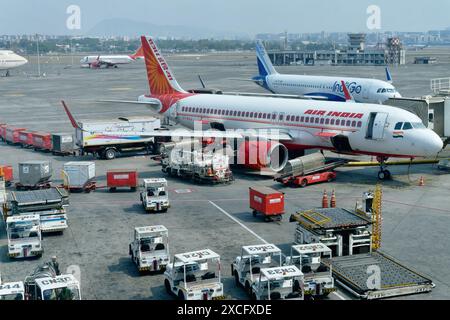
(138, 54)
(388, 75)
(69, 114)
(160, 78)
(265, 66)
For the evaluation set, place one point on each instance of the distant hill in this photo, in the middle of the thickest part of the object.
(126, 27)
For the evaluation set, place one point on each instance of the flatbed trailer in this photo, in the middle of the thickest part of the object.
(356, 273)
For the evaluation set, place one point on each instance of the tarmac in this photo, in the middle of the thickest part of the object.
(416, 219)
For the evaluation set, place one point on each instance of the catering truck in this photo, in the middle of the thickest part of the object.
(110, 138)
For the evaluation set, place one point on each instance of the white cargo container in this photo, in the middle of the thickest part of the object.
(101, 136)
(79, 173)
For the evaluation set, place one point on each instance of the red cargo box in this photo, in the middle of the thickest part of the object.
(12, 134)
(2, 130)
(42, 140)
(26, 138)
(7, 173)
(267, 201)
(122, 178)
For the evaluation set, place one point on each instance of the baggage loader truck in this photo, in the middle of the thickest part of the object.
(195, 276)
(150, 248)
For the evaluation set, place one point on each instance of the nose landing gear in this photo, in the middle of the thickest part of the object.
(383, 174)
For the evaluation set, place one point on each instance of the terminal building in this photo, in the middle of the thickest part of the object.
(392, 52)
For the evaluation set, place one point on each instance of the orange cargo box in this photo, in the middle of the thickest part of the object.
(267, 201)
(7, 173)
(42, 140)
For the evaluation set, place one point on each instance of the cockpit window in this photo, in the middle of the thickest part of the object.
(399, 126)
(418, 125)
(407, 126)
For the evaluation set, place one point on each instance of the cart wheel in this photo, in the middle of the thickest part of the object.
(167, 286)
(330, 178)
(112, 189)
(133, 189)
(181, 295)
(236, 279)
(280, 218)
(267, 219)
(304, 183)
(255, 213)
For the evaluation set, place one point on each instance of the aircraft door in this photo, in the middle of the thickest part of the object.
(377, 124)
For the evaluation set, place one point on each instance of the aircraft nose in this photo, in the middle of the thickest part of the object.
(434, 144)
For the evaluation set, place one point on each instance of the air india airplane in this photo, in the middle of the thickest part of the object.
(109, 61)
(342, 127)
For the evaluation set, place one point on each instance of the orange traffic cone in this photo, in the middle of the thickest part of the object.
(325, 199)
(333, 200)
(421, 182)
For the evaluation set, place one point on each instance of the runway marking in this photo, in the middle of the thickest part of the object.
(14, 95)
(238, 222)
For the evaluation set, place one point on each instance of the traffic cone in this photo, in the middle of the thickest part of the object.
(421, 182)
(325, 199)
(333, 200)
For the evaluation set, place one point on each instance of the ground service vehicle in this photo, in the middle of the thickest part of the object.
(279, 283)
(318, 276)
(12, 291)
(93, 137)
(197, 165)
(24, 236)
(195, 276)
(247, 267)
(150, 248)
(45, 284)
(154, 196)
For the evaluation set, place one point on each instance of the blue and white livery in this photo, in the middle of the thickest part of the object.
(363, 90)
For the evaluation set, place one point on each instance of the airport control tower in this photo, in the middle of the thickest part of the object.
(357, 42)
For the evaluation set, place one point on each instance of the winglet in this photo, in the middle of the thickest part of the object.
(348, 96)
(388, 75)
(69, 114)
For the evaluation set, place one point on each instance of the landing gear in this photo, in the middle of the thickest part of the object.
(383, 174)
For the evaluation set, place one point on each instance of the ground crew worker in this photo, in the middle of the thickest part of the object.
(55, 265)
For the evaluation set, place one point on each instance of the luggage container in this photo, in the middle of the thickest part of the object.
(34, 175)
(42, 141)
(26, 138)
(12, 135)
(62, 144)
(122, 178)
(7, 173)
(267, 201)
(79, 176)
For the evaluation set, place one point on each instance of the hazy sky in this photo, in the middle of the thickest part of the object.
(248, 16)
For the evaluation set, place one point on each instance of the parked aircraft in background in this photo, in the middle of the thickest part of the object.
(363, 90)
(109, 61)
(10, 60)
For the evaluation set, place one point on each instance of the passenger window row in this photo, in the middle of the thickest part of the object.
(275, 116)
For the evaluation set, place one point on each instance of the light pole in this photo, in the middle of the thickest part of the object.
(38, 56)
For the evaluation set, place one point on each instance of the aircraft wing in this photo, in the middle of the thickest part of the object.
(153, 103)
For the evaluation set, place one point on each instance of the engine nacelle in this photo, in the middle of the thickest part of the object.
(257, 155)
